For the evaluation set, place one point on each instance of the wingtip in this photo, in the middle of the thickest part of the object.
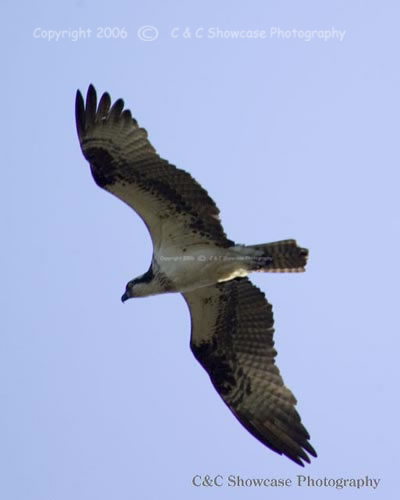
(116, 110)
(104, 105)
(79, 113)
(91, 105)
(310, 449)
(300, 457)
(85, 111)
(91, 94)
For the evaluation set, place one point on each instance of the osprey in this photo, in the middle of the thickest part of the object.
(232, 322)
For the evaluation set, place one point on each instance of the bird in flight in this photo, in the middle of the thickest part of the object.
(231, 320)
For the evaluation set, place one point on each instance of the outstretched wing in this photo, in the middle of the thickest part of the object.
(175, 208)
(232, 338)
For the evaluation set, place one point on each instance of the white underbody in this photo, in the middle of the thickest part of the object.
(197, 267)
(202, 265)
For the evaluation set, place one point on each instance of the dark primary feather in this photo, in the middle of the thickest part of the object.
(232, 338)
(123, 162)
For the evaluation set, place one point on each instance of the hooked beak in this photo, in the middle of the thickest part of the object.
(125, 297)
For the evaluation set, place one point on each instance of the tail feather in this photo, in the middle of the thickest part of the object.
(283, 256)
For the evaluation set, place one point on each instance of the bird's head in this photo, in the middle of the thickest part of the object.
(142, 286)
(130, 290)
(135, 288)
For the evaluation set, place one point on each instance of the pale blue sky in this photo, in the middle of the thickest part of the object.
(299, 139)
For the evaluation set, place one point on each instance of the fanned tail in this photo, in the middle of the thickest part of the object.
(281, 256)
